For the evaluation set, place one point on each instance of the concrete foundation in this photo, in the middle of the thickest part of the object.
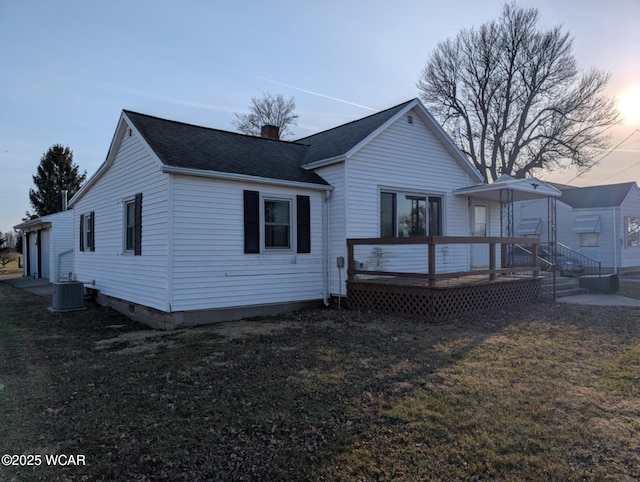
(161, 320)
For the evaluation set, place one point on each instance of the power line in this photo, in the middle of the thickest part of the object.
(606, 155)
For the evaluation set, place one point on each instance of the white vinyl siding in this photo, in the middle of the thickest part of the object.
(210, 268)
(610, 249)
(139, 279)
(406, 158)
(629, 255)
(336, 176)
(61, 245)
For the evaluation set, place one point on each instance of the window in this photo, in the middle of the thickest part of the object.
(632, 232)
(405, 215)
(272, 223)
(87, 234)
(480, 220)
(588, 239)
(133, 225)
(277, 224)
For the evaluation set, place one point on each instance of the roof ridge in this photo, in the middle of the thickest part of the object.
(380, 112)
(188, 124)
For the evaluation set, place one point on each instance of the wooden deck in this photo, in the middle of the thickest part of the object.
(436, 297)
(414, 298)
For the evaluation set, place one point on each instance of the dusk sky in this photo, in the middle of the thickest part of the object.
(70, 67)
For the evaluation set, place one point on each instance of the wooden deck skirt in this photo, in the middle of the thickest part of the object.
(440, 303)
(437, 296)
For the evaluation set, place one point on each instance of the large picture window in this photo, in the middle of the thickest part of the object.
(406, 215)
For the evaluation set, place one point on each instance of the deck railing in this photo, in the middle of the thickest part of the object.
(432, 275)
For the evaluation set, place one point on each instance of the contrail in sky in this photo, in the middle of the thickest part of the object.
(313, 93)
(306, 91)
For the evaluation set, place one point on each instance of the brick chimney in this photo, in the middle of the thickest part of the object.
(270, 132)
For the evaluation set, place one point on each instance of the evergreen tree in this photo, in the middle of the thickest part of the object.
(56, 173)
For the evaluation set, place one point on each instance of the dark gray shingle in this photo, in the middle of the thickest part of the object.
(193, 147)
(610, 195)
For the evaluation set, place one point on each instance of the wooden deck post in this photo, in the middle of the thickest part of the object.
(492, 261)
(350, 260)
(432, 262)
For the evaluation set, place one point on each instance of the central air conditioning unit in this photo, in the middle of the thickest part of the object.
(68, 296)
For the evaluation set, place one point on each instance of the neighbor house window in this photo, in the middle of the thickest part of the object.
(632, 232)
(133, 225)
(277, 224)
(405, 215)
(588, 240)
(87, 231)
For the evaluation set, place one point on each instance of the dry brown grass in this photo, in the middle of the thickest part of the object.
(542, 392)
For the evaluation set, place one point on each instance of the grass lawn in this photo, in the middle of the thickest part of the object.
(539, 392)
(11, 270)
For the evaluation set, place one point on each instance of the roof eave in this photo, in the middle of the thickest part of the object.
(324, 162)
(228, 176)
(32, 225)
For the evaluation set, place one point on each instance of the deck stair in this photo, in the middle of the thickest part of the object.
(565, 286)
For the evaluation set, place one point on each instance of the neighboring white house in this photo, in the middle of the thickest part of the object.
(184, 225)
(601, 222)
(47, 246)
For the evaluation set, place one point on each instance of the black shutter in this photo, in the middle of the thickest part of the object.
(303, 224)
(82, 232)
(138, 225)
(92, 232)
(251, 222)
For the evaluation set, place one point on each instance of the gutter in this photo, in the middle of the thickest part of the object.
(227, 176)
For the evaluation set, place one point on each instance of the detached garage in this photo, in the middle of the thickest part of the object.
(47, 246)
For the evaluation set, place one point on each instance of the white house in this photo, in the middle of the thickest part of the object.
(601, 222)
(184, 224)
(47, 248)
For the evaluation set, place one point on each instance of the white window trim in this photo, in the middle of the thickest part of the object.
(125, 202)
(85, 230)
(412, 192)
(292, 224)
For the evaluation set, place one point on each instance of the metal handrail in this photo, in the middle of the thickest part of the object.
(566, 250)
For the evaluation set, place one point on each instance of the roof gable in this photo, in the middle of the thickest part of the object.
(611, 195)
(345, 140)
(340, 140)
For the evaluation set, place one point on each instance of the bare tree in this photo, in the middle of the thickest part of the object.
(513, 99)
(6, 257)
(270, 109)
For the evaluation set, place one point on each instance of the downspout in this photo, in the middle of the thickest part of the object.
(326, 275)
(616, 241)
(170, 236)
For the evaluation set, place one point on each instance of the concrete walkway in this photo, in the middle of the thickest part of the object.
(599, 300)
(40, 287)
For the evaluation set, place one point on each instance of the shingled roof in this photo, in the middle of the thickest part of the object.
(193, 147)
(610, 195)
(340, 140)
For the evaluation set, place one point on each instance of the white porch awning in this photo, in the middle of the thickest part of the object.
(522, 189)
(529, 226)
(587, 223)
